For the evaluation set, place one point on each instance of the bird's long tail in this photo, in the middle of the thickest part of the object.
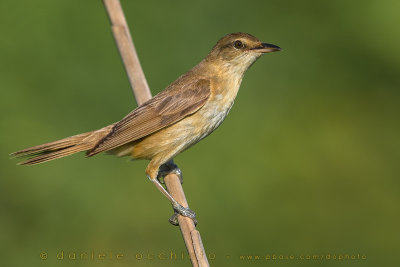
(61, 148)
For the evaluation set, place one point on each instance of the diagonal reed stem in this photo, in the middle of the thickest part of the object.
(142, 93)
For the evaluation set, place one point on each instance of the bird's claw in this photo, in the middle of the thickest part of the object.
(180, 210)
(167, 168)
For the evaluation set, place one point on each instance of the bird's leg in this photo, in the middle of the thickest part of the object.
(152, 174)
(178, 208)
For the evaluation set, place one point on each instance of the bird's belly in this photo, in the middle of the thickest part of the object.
(181, 135)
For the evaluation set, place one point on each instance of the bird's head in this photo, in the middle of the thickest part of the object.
(238, 51)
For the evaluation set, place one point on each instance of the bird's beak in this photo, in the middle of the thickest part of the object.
(266, 48)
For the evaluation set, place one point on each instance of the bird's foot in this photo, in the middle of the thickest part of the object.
(181, 210)
(167, 168)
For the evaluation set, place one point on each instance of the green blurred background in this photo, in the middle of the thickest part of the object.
(306, 163)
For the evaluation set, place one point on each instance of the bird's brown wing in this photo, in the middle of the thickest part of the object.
(166, 108)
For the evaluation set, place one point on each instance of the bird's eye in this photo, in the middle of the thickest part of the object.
(238, 44)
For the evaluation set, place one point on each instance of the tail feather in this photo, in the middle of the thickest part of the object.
(61, 148)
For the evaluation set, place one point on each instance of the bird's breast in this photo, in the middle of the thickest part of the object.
(213, 113)
(190, 130)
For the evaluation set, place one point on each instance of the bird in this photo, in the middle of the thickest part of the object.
(181, 115)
